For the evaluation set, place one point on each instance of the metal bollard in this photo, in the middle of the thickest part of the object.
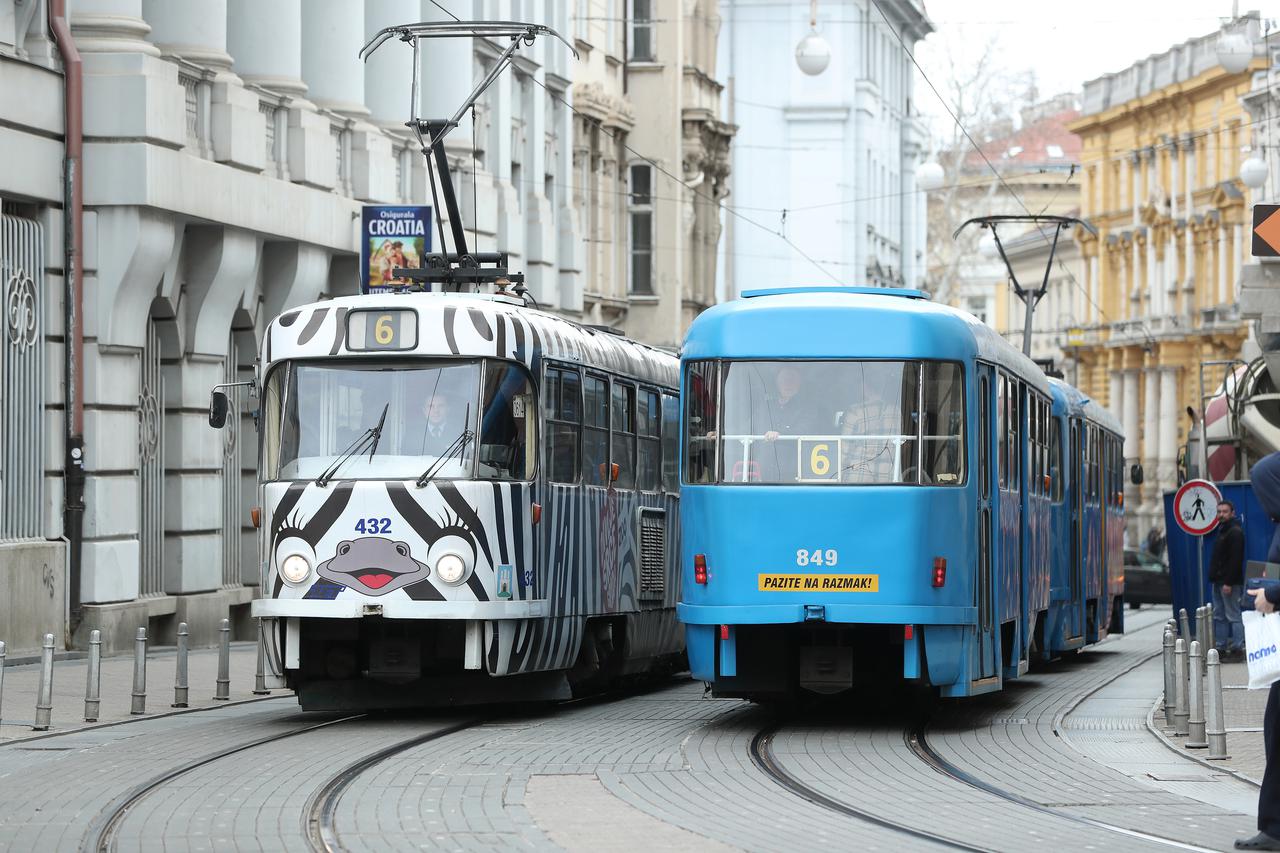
(139, 673)
(1216, 730)
(1211, 636)
(1184, 625)
(93, 680)
(260, 677)
(1169, 691)
(1180, 712)
(223, 692)
(1202, 632)
(1195, 721)
(44, 698)
(2, 654)
(180, 672)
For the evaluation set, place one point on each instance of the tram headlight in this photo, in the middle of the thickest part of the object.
(295, 568)
(451, 569)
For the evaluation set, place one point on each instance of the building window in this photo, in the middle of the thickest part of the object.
(642, 33)
(640, 210)
(978, 307)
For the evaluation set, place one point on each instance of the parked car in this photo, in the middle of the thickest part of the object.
(1146, 579)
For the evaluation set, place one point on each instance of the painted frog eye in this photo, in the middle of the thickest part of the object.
(344, 548)
(402, 549)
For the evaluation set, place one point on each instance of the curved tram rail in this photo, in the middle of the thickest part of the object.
(102, 832)
(322, 834)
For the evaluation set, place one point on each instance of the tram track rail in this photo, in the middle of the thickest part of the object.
(320, 814)
(106, 826)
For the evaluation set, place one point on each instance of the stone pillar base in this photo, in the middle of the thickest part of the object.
(203, 612)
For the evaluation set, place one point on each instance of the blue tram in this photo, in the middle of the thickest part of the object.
(876, 486)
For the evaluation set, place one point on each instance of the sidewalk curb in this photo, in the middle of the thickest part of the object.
(171, 713)
(1163, 738)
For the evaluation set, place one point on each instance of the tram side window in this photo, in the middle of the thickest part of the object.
(564, 424)
(701, 402)
(1033, 445)
(508, 424)
(670, 442)
(648, 430)
(943, 461)
(1055, 460)
(624, 433)
(595, 430)
(1002, 431)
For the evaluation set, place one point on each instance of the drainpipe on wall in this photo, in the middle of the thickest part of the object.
(73, 303)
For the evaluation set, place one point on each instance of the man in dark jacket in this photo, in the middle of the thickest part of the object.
(1265, 479)
(1226, 573)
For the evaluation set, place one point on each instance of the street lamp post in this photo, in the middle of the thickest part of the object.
(813, 54)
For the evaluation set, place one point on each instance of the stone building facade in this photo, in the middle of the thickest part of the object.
(229, 146)
(1162, 152)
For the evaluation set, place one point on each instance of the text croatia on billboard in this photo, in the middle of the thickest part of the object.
(392, 236)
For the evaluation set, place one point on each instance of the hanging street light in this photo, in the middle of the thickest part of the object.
(1235, 51)
(813, 54)
(929, 176)
(1253, 172)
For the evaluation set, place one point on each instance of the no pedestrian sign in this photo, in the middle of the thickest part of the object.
(1195, 507)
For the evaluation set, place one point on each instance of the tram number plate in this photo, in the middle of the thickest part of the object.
(382, 330)
(819, 583)
(818, 459)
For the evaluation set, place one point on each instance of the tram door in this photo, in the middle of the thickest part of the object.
(1076, 569)
(988, 652)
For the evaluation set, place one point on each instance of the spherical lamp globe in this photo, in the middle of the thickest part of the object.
(813, 54)
(929, 176)
(1235, 51)
(1253, 172)
(987, 247)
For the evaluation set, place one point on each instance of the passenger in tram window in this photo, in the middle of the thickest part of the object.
(870, 458)
(788, 409)
(441, 423)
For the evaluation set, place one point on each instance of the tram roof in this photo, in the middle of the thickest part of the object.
(849, 322)
(1078, 403)
(465, 324)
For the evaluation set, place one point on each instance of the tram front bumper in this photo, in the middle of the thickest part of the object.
(865, 614)
(399, 609)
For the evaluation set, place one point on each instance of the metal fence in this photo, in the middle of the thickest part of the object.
(151, 466)
(21, 378)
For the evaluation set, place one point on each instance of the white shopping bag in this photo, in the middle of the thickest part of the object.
(1262, 643)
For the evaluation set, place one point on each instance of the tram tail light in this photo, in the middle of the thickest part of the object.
(700, 568)
(537, 513)
(724, 632)
(908, 632)
(255, 515)
(939, 571)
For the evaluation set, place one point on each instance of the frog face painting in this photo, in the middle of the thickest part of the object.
(373, 565)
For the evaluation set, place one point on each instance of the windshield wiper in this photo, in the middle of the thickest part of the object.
(457, 446)
(371, 436)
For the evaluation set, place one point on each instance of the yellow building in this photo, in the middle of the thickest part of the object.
(1161, 154)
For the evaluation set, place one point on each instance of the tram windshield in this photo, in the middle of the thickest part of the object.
(476, 418)
(815, 422)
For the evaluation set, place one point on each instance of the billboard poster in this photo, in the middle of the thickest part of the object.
(391, 236)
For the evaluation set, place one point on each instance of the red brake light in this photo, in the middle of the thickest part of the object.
(908, 631)
(700, 568)
(939, 571)
(724, 632)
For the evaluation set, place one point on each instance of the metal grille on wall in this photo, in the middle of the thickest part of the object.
(151, 466)
(21, 379)
(231, 509)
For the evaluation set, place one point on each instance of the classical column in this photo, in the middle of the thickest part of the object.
(265, 40)
(1150, 451)
(332, 35)
(1095, 284)
(196, 31)
(1224, 252)
(1168, 471)
(1237, 248)
(1116, 389)
(111, 26)
(1135, 177)
(1152, 284)
(1188, 249)
(1129, 415)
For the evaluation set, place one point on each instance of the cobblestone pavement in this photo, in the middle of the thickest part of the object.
(668, 770)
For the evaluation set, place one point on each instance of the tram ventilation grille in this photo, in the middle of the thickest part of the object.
(653, 554)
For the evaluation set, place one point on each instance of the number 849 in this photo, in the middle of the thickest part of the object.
(816, 557)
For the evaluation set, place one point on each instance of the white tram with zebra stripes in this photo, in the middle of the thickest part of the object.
(462, 500)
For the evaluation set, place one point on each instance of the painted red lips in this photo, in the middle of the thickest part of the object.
(375, 580)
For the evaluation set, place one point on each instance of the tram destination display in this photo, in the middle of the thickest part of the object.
(392, 236)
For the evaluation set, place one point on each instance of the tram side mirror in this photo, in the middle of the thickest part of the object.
(1135, 475)
(218, 410)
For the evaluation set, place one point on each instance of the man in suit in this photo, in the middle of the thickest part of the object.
(443, 423)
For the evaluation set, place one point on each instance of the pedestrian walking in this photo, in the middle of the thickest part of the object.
(1226, 574)
(1268, 837)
